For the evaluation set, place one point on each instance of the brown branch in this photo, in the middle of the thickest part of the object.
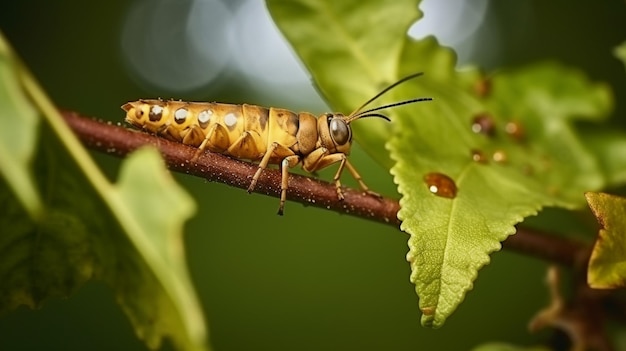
(550, 247)
(120, 141)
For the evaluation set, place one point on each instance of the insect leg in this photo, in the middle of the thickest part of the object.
(275, 149)
(319, 159)
(337, 178)
(288, 162)
(216, 140)
(357, 177)
(262, 165)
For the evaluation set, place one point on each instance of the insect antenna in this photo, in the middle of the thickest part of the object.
(371, 115)
(368, 113)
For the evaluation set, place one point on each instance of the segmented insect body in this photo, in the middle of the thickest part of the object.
(267, 135)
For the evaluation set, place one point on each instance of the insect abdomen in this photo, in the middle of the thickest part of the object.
(242, 131)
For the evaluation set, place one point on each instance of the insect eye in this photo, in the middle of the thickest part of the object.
(339, 131)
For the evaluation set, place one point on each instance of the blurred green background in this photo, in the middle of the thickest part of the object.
(311, 280)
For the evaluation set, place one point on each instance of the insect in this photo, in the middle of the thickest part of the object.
(265, 135)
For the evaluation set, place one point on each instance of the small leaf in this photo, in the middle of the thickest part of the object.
(608, 147)
(152, 210)
(607, 265)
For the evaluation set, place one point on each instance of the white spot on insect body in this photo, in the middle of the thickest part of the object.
(156, 109)
(180, 114)
(230, 119)
(205, 116)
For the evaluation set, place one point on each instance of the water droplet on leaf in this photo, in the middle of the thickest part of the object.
(478, 156)
(483, 123)
(499, 156)
(515, 130)
(440, 185)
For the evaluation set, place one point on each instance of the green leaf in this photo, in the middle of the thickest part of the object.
(607, 265)
(128, 235)
(545, 98)
(608, 147)
(531, 157)
(152, 210)
(49, 257)
(17, 135)
(541, 163)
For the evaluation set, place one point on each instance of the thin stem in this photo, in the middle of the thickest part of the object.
(119, 141)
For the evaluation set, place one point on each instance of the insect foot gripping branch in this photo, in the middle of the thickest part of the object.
(260, 134)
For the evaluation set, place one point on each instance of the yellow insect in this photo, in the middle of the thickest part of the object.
(267, 135)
